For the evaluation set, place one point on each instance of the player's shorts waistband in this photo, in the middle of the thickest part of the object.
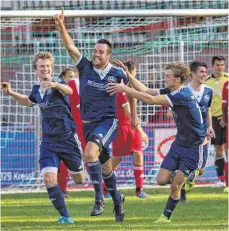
(97, 120)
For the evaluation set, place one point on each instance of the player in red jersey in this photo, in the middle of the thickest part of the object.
(69, 75)
(225, 118)
(129, 140)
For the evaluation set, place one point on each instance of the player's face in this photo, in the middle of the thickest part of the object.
(219, 66)
(69, 75)
(44, 69)
(200, 75)
(100, 56)
(170, 80)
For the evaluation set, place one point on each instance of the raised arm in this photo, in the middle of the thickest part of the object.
(22, 99)
(136, 84)
(65, 37)
(157, 100)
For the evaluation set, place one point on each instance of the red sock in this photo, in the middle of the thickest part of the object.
(226, 173)
(63, 177)
(139, 177)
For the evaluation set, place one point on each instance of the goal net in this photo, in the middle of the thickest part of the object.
(151, 42)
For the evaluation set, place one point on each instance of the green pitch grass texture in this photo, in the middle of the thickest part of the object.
(207, 209)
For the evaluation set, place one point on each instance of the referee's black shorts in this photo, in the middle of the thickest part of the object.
(220, 133)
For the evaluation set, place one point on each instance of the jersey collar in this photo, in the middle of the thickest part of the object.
(104, 72)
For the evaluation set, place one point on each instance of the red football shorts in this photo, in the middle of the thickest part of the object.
(127, 141)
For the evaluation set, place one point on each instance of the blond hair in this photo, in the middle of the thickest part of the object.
(42, 55)
(180, 70)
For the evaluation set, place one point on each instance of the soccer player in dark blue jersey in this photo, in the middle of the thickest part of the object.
(186, 152)
(203, 95)
(59, 141)
(98, 112)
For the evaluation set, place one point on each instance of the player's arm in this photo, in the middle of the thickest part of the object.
(169, 115)
(62, 88)
(211, 132)
(225, 103)
(157, 100)
(22, 99)
(65, 37)
(136, 84)
(127, 111)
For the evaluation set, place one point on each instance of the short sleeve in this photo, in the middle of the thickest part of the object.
(123, 77)
(58, 80)
(122, 99)
(31, 97)
(83, 63)
(225, 95)
(163, 91)
(210, 101)
(74, 98)
(175, 99)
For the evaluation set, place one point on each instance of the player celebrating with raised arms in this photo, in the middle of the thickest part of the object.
(186, 152)
(59, 141)
(98, 114)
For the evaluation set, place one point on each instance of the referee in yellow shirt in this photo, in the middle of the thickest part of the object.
(216, 82)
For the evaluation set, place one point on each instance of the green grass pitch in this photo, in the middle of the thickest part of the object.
(207, 209)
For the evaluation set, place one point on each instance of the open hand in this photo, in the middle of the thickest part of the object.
(113, 88)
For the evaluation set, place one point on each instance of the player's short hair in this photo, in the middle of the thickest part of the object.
(220, 58)
(65, 71)
(180, 70)
(195, 64)
(42, 55)
(104, 41)
(130, 65)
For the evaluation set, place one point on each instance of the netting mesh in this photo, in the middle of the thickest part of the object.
(152, 42)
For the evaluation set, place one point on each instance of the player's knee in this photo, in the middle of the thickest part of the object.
(201, 171)
(90, 155)
(161, 180)
(219, 149)
(50, 179)
(78, 178)
(175, 188)
(106, 168)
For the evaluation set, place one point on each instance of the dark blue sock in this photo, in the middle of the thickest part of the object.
(110, 183)
(95, 171)
(57, 199)
(170, 206)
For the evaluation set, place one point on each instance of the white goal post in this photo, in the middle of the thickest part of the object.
(115, 13)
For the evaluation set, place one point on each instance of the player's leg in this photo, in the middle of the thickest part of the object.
(218, 142)
(139, 174)
(62, 179)
(111, 186)
(169, 165)
(190, 182)
(226, 162)
(109, 129)
(49, 163)
(115, 161)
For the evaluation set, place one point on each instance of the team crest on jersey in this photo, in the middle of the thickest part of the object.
(206, 98)
(112, 79)
(48, 91)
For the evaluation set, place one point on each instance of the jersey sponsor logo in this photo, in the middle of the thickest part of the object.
(45, 105)
(192, 97)
(112, 79)
(206, 98)
(99, 86)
